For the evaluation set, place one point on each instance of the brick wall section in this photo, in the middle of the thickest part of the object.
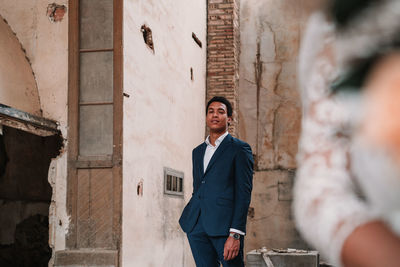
(223, 53)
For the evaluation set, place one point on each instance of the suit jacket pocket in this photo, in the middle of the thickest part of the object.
(186, 211)
(225, 202)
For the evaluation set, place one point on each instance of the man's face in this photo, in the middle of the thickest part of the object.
(217, 117)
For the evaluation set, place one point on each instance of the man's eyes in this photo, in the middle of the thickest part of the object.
(219, 111)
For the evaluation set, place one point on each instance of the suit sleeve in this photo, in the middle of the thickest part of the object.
(243, 186)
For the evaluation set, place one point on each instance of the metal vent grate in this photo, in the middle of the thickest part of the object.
(173, 182)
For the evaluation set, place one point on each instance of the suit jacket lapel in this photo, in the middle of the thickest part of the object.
(225, 143)
(201, 158)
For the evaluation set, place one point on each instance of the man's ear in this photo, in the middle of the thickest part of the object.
(229, 120)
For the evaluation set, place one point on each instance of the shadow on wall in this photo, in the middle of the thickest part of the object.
(25, 196)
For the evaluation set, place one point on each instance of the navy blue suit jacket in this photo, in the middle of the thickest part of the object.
(222, 193)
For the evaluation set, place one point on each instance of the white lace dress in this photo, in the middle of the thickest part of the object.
(334, 164)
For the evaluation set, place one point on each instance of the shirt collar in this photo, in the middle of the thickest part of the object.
(218, 141)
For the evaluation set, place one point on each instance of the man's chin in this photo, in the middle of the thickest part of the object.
(218, 130)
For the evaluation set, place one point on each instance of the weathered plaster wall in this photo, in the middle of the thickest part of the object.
(46, 46)
(164, 120)
(270, 113)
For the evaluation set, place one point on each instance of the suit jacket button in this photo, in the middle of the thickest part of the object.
(203, 182)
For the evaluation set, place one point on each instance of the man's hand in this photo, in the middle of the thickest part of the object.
(231, 248)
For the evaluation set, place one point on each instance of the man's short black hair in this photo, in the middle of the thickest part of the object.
(222, 100)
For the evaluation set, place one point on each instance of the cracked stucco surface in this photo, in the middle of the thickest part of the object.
(270, 114)
(270, 35)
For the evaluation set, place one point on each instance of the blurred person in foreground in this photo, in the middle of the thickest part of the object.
(347, 191)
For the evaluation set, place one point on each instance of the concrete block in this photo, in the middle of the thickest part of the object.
(86, 258)
(282, 258)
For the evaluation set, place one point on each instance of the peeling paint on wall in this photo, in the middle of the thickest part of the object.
(56, 12)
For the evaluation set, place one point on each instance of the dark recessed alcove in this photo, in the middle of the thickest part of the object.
(25, 196)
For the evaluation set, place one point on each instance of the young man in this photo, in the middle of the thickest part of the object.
(215, 217)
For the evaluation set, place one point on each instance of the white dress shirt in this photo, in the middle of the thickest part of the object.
(210, 150)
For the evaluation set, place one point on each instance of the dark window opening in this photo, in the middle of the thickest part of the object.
(191, 74)
(25, 196)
